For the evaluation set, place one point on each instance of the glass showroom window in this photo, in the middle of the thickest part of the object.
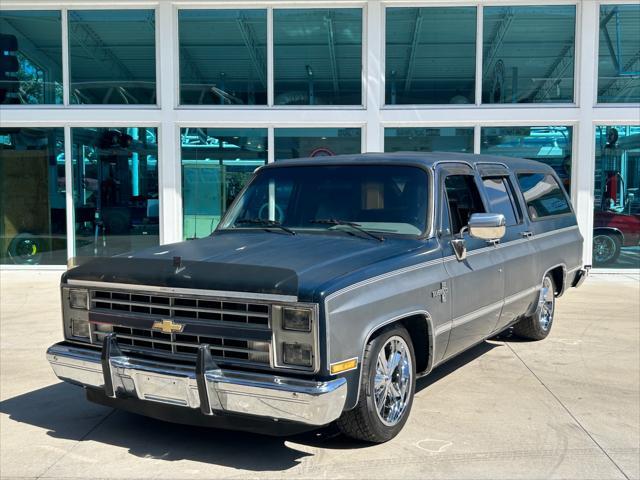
(317, 56)
(445, 139)
(32, 197)
(112, 56)
(618, 67)
(616, 217)
(216, 165)
(31, 43)
(115, 189)
(550, 145)
(316, 142)
(528, 54)
(430, 55)
(223, 57)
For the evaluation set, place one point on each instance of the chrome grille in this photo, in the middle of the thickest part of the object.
(182, 307)
(237, 318)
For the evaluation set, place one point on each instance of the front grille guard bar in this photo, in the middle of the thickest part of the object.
(111, 354)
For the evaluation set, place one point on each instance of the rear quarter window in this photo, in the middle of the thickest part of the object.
(543, 195)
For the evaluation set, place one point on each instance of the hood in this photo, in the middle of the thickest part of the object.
(252, 261)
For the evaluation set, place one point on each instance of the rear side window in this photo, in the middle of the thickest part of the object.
(543, 195)
(463, 198)
(500, 196)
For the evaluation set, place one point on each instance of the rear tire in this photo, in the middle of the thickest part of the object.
(538, 325)
(387, 388)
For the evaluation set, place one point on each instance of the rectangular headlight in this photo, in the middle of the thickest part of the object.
(80, 328)
(297, 354)
(296, 319)
(79, 298)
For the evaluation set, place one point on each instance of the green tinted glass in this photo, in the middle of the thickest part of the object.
(317, 56)
(445, 139)
(430, 55)
(31, 43)
(115, 189)
(316, 142)
(223, 57)
(528, 54)
(112, 56)
(619, 51)
(216, 165)
(32, 197)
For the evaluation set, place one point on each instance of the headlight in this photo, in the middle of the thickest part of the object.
(295, 337)
(297, 354)
(79, 298)
(80, 328)
(297, 319)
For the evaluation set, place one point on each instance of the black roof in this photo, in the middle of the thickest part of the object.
(427, 159)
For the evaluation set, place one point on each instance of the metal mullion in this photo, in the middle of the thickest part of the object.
(270, 65)
(66, 74)
(68, 185)
(479, 59)
(271, 144)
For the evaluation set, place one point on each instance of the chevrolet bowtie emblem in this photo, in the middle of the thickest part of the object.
(167, 326)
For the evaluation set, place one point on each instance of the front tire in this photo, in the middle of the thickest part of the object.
(387, 388)
(606, 249)
(538, 326)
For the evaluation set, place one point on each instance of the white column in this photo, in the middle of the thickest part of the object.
(583, 160)
(373, 73)
(169, 174)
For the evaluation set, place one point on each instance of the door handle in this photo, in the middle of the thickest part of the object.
(526, 234)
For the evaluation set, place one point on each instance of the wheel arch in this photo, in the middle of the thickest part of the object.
(419, 324)
(609, 231)
(559, 276)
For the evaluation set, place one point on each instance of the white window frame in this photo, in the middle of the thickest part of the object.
(371, 117)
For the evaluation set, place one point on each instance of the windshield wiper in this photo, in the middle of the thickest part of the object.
(355, 226)
(266, 223)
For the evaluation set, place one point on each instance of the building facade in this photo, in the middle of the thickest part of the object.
(125, 124)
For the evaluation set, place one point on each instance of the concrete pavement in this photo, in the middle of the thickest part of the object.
(566, 407)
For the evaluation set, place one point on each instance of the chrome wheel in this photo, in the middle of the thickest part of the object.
(547, 304)
(604, 248)
(393, 380)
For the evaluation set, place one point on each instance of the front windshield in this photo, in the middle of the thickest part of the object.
(385, 199)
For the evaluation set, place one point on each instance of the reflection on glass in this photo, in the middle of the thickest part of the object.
(32, 197)
(386, 199)
(618, 68)
(528, 54)
(216, 165)
(317, 56)
(115, 189)
(616, 222)
(446, 139)
(550, 145)
(223, 57)
(112, 56)
(430, 55)
(316, 142)
(34, 39)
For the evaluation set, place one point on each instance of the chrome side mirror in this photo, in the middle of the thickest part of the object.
(487, 226)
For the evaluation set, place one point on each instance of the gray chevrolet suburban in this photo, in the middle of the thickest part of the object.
(329, 286)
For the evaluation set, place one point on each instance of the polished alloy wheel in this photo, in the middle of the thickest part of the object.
(547, 304)
(604, 248)
(393, 380)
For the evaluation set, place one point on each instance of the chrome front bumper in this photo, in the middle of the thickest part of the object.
(207, 388)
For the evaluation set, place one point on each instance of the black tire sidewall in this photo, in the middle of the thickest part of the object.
(618, 245)
(382, 431)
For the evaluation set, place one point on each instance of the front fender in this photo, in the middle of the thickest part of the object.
(355, 313)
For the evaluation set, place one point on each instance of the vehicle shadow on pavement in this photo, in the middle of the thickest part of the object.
(454, 364)
(63, 411)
